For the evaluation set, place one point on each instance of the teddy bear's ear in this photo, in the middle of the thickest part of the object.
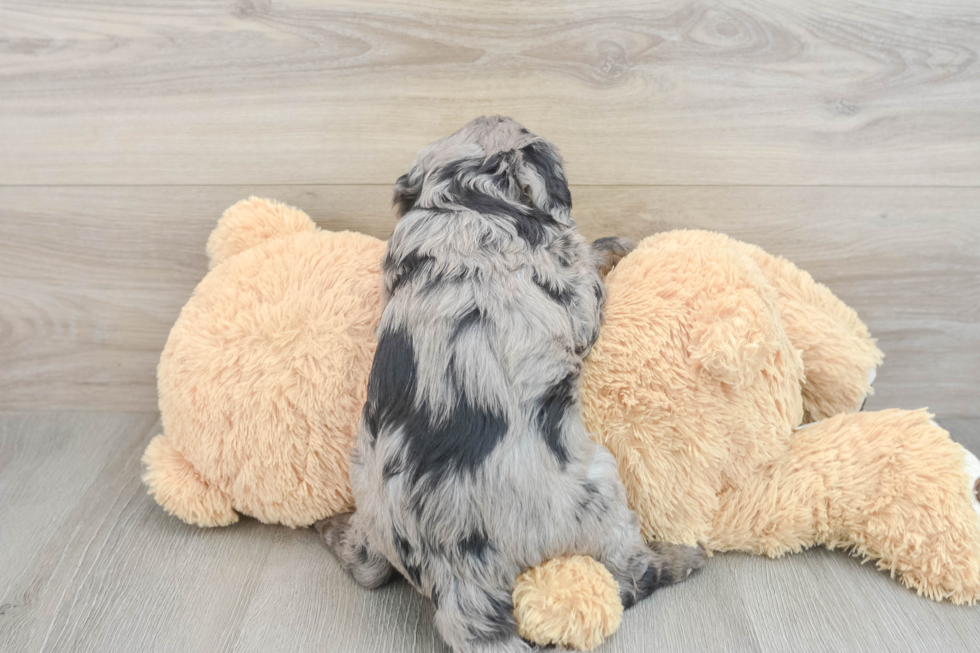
(252, 222)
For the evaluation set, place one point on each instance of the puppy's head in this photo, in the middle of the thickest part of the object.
(492, 165)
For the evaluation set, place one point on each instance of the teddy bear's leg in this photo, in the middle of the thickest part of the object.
(924, 522)
(839, 355)
(779, 510)
(891, 486)
(179, 489)
(368, 567)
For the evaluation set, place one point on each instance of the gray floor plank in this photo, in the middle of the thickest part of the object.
(114, 573)
(89, 563)
(307, 601)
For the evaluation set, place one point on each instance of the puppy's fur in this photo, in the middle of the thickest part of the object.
(472, 463)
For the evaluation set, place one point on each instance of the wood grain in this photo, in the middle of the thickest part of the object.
(101, 572)
(842, 134)
(89, 563)
(92, 279)
(303, 92)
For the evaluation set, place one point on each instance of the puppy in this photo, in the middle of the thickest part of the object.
(472, 463)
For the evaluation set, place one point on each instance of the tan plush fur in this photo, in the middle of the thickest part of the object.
(693, 380)
(697, 383)
(568, 602)
(252, 222)
(835, 345)
(711, 356)
(888, 486)
(265, 372)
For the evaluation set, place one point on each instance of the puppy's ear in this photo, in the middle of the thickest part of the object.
(407, 190)
(542, 178)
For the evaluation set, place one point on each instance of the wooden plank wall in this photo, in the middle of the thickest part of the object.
(844, 135)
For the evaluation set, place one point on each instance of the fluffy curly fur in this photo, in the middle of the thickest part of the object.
(472, 463)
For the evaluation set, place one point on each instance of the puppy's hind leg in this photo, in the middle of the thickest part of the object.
(646, 569)
(475, 619)
(368, 567)
(613, 533)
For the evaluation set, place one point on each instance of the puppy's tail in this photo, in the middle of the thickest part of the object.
(174, 483)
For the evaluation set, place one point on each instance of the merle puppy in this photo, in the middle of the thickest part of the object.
(472, 463)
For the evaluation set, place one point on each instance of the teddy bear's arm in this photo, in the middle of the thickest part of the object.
(839, 355)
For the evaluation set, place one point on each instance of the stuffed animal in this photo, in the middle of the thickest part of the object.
(712, 355)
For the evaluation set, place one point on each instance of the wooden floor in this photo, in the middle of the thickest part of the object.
(88, 562)
(844, 135)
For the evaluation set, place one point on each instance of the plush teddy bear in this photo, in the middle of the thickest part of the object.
(264, 374)
(712, 355)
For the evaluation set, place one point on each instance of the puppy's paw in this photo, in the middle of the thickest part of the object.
(677, 560)
(333, 529)
(663, 564)
(610, 251)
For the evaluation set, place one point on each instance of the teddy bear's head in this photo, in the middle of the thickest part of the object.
(264, 373)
